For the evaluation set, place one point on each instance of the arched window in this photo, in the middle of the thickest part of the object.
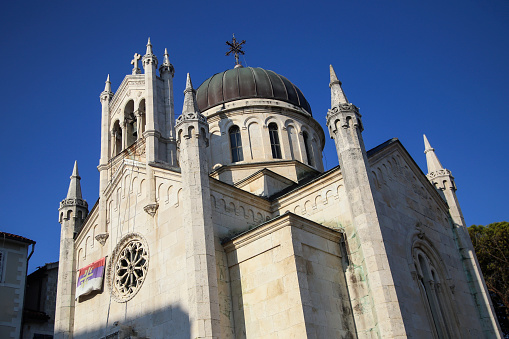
(434, 295)
(141, 119)
(130, 123)
(307, 145)
(274, 141)
(236, 144)
(116, 136)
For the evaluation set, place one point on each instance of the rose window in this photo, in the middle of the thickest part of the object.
(129, 267)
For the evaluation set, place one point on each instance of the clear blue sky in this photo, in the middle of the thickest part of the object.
(413, 67)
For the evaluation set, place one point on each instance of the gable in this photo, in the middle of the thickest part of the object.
(392, 157)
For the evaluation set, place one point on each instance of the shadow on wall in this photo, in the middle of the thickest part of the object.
(167, 322)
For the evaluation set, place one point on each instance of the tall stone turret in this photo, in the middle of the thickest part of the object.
(152, 131)
(167, 71)
(365, 236)
(105, 98)
(193, 139)
(443, 181)
(73, 211)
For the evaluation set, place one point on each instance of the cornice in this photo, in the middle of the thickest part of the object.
(271, 226)
(333, 175)
(239, 194)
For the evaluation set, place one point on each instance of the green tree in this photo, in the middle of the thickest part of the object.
(491, 244)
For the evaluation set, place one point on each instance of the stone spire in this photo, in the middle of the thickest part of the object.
(107, 86)
(337, 94)
(166, 60)
(149, 48)
(107, 94)
(434, 164)
(190, 104)
(190, 111)
(74, 191)
(166, 66)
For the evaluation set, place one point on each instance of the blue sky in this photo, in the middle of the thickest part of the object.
(413, 67)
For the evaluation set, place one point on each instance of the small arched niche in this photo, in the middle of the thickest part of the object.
(131, 123)
(141, 118)
(116, 135)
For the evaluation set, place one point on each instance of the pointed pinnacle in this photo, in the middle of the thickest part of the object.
(189, 84)
(427, 146)
(149, 48)
(431, 158)
(333, 77)
(337, 94)
(74, 191)
(190, 104)
(75, 173)
(166, 60)
(107, 86)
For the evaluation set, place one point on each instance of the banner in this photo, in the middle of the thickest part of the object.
(90, 278)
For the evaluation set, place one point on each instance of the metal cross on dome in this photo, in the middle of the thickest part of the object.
(236, 48)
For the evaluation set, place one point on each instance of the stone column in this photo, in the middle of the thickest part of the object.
(167, 71)
(66, 288)
(152, 132)
(105, 97)
(376, 295)
(192, 131)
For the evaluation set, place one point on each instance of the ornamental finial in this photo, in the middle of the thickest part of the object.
(236, 48)
(149, 48)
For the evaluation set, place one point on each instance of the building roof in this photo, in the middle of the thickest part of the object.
(4, 235)
(245, 83)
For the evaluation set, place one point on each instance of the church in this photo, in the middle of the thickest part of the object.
(220, 221)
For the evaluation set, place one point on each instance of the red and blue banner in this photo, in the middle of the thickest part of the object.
(90, 278)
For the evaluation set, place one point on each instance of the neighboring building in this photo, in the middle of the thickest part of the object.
(39, 311)
(14, 258)
(224, 224)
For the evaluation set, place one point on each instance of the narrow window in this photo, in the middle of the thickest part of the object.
(2, 261)
(431, 289)
(236, 144)
(308, 149)
(274, 141)
(116, 135)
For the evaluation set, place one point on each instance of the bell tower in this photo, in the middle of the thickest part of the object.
(138, 124)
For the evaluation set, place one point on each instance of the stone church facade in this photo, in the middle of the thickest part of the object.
(223, 223)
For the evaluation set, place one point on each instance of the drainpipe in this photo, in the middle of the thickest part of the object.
(25, 292)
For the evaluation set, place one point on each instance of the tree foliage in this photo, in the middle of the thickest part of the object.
(491, 244)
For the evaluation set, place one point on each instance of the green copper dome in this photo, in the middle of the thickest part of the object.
(248, 82)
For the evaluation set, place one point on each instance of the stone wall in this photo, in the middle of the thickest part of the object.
(414, 217)
(160, 308)
(287, 279)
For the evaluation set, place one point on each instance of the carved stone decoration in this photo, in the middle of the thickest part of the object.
(128, 267)
(102, 238)
(440, 172)
(420, 232)
(151, 209)
(191, 116)
(73, 202)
